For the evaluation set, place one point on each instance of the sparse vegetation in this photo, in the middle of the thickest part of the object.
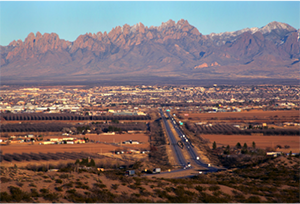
(260, 180)
(251, 176)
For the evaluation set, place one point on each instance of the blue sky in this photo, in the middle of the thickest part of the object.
(69, 19)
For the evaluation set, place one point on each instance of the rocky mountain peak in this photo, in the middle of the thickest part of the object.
(38, 35)
(30, 37)
(137, 27)
(171, 48)
(182, 22)
(170, 24)
(276, 26)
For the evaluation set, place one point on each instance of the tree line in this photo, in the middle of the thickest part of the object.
(68, 116)
(47, 156)
(226, 129)
(64, 127)
(35, 127)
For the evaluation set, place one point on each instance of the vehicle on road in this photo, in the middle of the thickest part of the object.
(189, 164)
(197, 158)
(130, 172)
(156, 171)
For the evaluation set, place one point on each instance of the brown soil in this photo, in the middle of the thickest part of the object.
(118, 138)
(88, 147)
(245, 116)
(260, 141)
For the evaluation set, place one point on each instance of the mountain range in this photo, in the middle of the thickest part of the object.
(171, 50)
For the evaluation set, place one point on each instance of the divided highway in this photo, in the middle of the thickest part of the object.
(180, 158)
(188, 145)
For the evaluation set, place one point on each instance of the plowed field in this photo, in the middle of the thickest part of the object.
(260, 141)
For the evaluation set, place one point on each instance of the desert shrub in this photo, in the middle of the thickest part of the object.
(58, 188)
(63, 176)
(72, 191)
(100, 185)
(200, 188)
(47, 181)
(206, 198)
(44, 190)
(145, 193)
(133, 186)
(253, 199)
(4, 179)
(68, 185)
(20, 184)
(169, 189)
(136, 194)
(51, 197)
(137, 181)
(81, 185)
(34, 192)
(32, 185)
(217, 193)
(18, 195)
(214, 188)
(126, 179)
(160, 193)
(5, 197)
(115, 186)
(58, 181)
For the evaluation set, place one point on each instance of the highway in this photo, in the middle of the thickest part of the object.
(188, 145)
(176, 149)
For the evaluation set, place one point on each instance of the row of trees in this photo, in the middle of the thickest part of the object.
(35, 127)
(231, 130)
(244, 148)
(111, 127)
(66, 116)
(217, 129)
(46, 156)
(123, 126)
(64, 127)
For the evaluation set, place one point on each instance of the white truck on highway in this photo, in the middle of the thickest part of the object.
(156, 171)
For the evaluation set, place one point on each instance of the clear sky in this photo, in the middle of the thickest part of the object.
(69, 19)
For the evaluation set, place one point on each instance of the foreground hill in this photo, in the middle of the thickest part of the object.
(170, 50)
(269, 180)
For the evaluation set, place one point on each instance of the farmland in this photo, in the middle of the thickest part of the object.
(37, 139)
(105, 144)
(262, 142)
(118, 138)
(245, 116)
